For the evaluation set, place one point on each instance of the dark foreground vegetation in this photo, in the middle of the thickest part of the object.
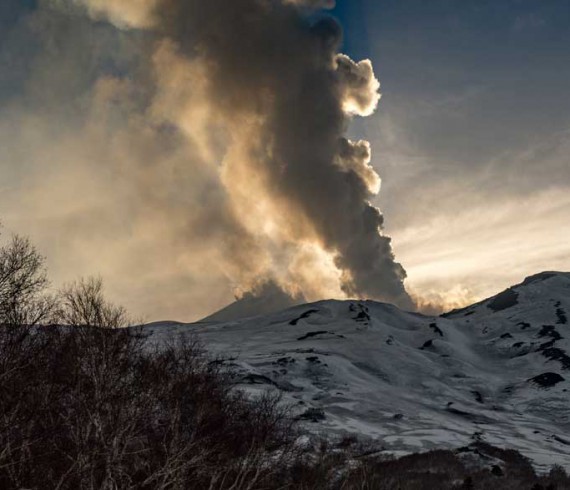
(88, 404)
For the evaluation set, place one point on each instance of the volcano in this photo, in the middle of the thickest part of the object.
(497, 371)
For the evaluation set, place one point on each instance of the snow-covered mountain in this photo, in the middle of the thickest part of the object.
(497, 371)
(267, 298)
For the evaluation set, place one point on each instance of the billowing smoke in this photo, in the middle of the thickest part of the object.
(230, 143)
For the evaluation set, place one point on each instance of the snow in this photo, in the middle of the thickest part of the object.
(415, 382)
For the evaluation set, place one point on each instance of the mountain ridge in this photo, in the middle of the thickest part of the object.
(496, 371)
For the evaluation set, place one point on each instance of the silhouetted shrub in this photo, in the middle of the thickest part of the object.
(446, 470)
(86, 407)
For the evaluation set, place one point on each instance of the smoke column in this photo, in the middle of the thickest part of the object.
(189, 151)
(263, 80)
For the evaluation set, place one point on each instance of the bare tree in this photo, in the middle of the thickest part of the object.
(23, 285)
(83, 303)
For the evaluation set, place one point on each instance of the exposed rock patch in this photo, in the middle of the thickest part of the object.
(504, 300)
(313, 334)
(547, 380)
(305, 315)
(436, 329)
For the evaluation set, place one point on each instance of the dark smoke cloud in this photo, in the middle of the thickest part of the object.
(266, 61)
(217, 160)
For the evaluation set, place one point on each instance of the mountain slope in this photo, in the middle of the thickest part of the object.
(267, 298)
(497, 371)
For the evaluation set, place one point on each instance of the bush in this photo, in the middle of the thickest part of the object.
(446, 470)
(87, 407)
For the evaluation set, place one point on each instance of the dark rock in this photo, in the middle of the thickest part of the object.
(543, 276)
(547, 380)
(305, 315)
(312, 415)
(283, 361)
(555, 354)
(497, 470)
(477, 419)
(560, 440)
(504, 300)
(306, 351)
(478, 396)
(427, 345)
(313, 334)
(550, 331)
(257, 379)
(362, 317)
(436, 329)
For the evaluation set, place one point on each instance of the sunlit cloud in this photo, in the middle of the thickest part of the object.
(195, 166)
(481, 250)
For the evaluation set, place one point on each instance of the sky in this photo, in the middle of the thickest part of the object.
(471, 140)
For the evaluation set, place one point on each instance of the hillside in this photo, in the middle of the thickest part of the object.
(497, 371)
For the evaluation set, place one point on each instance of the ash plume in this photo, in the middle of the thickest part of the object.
(232, 136)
